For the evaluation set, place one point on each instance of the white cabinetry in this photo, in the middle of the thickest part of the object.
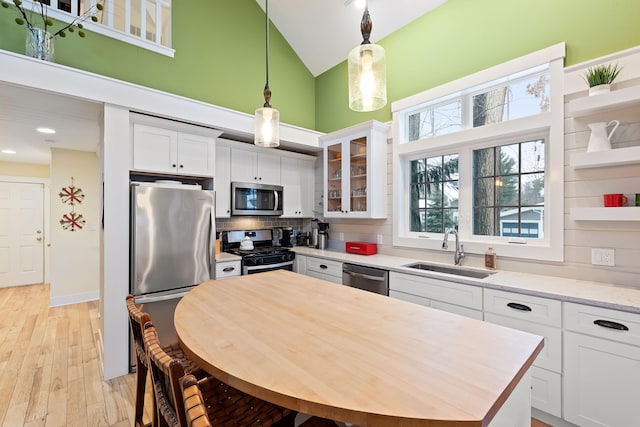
(540, 316)
(300, 264)
(222, 180)
(297, 177)
(601, 367)
(225, 269)
(161, 150)
(250, 165)
(465, 300)
(355, 171)
(330, 271)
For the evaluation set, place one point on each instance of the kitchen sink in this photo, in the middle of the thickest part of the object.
(458, 271)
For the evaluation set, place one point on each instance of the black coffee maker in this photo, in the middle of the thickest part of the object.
(287, 235)
(323, 235)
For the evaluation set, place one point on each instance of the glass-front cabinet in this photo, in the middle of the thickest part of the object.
(355, 171)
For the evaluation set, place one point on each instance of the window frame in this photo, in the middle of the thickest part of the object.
(548, 125)
(106, 29)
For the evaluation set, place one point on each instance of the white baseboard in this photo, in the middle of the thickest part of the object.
(74, 299)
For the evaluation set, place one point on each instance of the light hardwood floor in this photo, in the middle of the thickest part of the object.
(50, 371)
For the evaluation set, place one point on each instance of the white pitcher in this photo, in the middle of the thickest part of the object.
(599, 139)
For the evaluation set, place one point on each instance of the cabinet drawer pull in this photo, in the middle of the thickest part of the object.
(517, 306)
(611, 325)
(228, 269)
(324, 267)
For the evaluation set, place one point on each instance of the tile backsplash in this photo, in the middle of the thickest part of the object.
(257, 222)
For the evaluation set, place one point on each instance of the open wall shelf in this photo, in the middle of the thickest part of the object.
(624, 213)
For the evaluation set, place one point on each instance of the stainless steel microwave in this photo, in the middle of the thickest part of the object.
(248, 198)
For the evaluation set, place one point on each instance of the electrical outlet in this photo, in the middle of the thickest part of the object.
(603, 256)
(380, 239)
(341, 236)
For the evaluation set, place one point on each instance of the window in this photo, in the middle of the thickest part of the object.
(144, 23)
(434, 193)
(484, 155)
(508, 188)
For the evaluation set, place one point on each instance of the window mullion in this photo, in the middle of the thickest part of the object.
(466, 101)
(143, 19)
(158, 22)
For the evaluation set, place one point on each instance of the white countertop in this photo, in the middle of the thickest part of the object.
(227, 257)
(570, 290)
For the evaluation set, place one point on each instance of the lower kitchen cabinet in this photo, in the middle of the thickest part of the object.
(300, 264)
(330, 271)
(465, 300)
(226, 269)
(601, 367)
(539, 316)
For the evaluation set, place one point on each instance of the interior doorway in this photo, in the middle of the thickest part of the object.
(22, 233)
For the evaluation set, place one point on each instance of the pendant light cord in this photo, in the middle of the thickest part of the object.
(267, 90)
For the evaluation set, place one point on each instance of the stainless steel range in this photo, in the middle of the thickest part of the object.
(257, 250)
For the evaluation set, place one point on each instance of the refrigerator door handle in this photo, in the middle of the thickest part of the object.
(144, 299)
(212, 242)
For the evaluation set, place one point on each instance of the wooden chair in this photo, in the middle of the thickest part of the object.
(137, 319)
(210, 403)
(229, 406)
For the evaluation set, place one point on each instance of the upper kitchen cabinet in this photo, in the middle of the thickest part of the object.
(222, 180)
(168, 151)
(355, 171)
(250, 165)
(297, 176)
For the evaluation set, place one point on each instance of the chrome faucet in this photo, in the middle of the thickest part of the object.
(459, 253)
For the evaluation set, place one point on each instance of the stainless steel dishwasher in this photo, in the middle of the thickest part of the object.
(370, 279)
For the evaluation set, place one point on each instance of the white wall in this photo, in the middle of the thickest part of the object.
(75, 255)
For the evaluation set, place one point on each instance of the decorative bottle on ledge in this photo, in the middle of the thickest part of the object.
(490, 259)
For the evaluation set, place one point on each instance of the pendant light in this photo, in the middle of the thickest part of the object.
(267, 133)
(367, 71)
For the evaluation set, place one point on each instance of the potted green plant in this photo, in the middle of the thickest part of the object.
(40, 35)
(600, 77)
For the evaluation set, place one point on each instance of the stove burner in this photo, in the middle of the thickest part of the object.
(259, 250)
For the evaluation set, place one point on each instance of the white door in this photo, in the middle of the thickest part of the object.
(21, 234)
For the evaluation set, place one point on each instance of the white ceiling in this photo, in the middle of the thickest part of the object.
(320, 31)
(22, 110)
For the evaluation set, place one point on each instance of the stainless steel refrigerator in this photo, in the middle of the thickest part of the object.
(172, 247)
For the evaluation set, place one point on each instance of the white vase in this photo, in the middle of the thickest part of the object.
(597, 90)
(39, 44)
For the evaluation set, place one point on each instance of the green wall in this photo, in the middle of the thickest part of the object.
(465, 36)
(219, 59)
(220, 52)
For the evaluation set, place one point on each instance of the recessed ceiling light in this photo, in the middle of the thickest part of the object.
(46, 130)
(8, 152)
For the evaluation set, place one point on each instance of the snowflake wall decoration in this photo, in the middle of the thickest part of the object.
(71, 195)
(72, 221)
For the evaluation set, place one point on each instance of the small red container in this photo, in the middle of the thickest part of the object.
(361, 248)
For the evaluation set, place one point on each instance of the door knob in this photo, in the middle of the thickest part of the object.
(39, 239)
(38, 231)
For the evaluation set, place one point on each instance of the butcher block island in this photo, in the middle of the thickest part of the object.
(342, 353)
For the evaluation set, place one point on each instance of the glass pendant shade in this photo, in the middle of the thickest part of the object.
(367, 78)
(267, 121)
(267, 132)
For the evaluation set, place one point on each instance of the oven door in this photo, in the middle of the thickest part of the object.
(255, 199)
(252, 269)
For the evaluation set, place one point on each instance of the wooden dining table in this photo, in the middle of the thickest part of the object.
(342, 353)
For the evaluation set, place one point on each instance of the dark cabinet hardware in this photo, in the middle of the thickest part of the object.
(611, 325)
(517, 306)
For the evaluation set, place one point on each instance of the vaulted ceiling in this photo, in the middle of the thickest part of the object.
(322, 32)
